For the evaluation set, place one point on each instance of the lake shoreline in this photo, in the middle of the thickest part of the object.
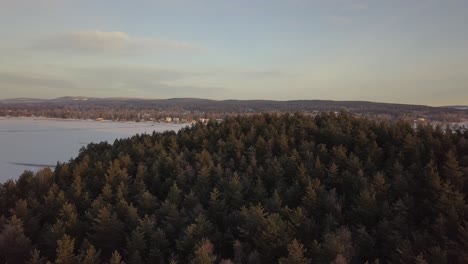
(39, 118)
(31, 143)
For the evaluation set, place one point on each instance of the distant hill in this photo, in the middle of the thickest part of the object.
(74, 106)
(226, 105)
(22, 100)
(458, 107)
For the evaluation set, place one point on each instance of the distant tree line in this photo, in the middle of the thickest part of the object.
(194, 109)
(107, 113)
(263, 189)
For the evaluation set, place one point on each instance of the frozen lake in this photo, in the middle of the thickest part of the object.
(29, 144)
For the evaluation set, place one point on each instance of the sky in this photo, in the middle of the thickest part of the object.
(400, 51)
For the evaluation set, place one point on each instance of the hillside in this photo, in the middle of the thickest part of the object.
(260, 189)
(193, 108)
(222, 105)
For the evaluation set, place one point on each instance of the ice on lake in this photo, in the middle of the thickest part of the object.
(29, 144)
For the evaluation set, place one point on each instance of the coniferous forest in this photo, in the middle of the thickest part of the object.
(334, 188)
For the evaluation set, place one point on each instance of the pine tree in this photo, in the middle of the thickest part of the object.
(463, 247)
(349, 189)
(107, 231)
(14, 245)
(65, 249)
(21, 209)
(174, 195)
(296, 254)
(69, 216)
(451, 171)
(36, 257)
(239, 254)
(135, 258)
(420, 260)
(91, 256)
(204, 253)
(116, 258)
(158, 247)
(77, 188)
(338, 243)
(195, 232)
(137, 242)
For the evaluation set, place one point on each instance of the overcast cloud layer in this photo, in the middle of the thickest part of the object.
(114, 42)
(412, 51)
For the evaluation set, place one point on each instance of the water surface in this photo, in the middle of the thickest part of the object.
(30, 144)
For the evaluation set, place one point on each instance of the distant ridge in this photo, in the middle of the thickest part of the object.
(233, 105)
(23, 100)
(458, 107)
(198, 100)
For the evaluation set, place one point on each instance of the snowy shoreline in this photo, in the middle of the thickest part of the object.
(39, 118)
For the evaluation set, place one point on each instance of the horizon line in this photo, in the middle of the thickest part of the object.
(219, 100)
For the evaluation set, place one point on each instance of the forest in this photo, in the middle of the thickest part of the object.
(132, 109)
(289, 189)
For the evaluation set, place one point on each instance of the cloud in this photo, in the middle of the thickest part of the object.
(160, 90)
(135, 73)
(338, 19)
(360, 6)
(251, 74)
(131, 81)
(135, 81)
(162, 74)
(109, 42)
(164, 90)
(17, 83)
(32, 80)
(8, 4)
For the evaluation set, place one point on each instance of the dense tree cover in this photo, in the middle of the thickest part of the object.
(262, 189)
(193, 109)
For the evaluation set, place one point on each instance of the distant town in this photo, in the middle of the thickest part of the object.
(193, 110)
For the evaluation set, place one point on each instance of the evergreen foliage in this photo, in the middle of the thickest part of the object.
(334, 188)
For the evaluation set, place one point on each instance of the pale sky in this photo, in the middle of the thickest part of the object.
(403, 51)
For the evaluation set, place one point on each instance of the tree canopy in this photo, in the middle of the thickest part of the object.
(334, 188)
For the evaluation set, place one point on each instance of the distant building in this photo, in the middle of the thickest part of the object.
(100, 119)
(176, 119)
(168, 119)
